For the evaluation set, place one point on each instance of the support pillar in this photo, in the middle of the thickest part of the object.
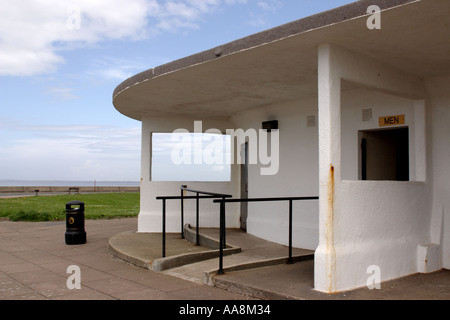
(329, 168)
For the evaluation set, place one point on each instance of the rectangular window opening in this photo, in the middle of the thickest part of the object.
(384, 154)
(194, 157)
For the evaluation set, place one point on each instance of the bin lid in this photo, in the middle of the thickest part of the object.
(75, 203)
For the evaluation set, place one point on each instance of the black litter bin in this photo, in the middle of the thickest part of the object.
(75, 233)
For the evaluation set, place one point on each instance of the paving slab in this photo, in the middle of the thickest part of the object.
(34, 260)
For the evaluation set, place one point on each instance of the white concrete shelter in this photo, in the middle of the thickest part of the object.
(362, 100)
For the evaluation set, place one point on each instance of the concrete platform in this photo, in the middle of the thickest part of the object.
(145, 249)
(259, 269)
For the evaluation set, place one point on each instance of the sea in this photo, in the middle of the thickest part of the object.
(63, 183)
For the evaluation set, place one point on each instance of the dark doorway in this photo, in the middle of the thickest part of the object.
(384, 154)
(244, 188)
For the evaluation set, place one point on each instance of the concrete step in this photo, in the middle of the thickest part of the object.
(200, 263)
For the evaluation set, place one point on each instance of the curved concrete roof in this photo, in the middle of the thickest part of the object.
(248, 72)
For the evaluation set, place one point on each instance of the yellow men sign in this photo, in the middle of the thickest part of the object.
(392, 120)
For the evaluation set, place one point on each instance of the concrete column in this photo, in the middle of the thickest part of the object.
(329, 104)
(143, 218)
(420, 152)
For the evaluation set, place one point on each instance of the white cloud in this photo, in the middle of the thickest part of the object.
(50, 159)
(267, 7)
(71, 152)
(61, 93)
(115, 68)
(32, 32)
(236, 1)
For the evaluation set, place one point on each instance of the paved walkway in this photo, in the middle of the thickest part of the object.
(34, 260)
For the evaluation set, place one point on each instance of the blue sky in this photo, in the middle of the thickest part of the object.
(60, 62)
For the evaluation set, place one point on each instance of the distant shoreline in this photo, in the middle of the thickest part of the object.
(66, 183)
(65, 189)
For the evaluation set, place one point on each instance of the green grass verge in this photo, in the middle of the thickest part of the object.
(53, 208)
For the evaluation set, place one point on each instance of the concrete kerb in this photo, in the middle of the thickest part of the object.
(204, 240)
(126, 256)
(252, 291)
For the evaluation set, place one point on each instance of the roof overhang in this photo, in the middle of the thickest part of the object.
(280, 64)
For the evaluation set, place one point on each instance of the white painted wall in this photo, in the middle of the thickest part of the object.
(439, 99)
(382, 104)
(297, 175)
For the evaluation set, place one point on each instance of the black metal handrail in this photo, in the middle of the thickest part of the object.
(199, 195)
(223, 226)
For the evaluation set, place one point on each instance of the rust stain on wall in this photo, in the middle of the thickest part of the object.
(330, 229)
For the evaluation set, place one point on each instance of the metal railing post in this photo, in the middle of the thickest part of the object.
(224, 227)
(290, 261)
(197, 236)
(222, 236)
(182, 214)
(164, 228)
